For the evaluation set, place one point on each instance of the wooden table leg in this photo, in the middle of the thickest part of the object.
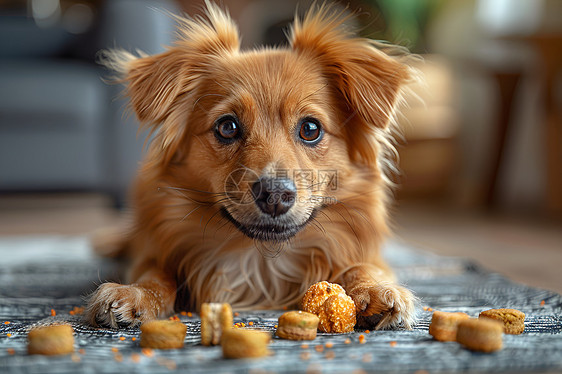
(507, 84)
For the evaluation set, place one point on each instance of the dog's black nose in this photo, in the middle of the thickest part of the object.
(274, 196)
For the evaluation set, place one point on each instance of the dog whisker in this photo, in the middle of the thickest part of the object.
(209, 220)
(186, 189)
(182, 194)
(358, 212)
(188, 214)
(266, 250)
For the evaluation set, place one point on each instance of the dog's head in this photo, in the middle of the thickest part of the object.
(269, 136)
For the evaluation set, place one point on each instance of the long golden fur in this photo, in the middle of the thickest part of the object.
(196, 237)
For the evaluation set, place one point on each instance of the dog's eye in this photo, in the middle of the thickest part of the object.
(227, 129)
(310, 131)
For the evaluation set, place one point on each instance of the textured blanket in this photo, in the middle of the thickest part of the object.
(44, 279)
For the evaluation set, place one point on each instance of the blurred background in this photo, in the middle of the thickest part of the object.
(480, 156)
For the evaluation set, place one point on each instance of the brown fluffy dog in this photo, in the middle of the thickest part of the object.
(266, 172)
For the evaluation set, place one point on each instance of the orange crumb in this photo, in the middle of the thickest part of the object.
(183, 313)
(250, 323)
(174, 318)
(135, 357)
(329, 345)
(304, 346)
(285, 308)
(367, 331)
(276, 326)
(133, 338)
(118, 357)
(7, 322)
(81, 351)
(114, 349)
(147, 352)
(393, 343)
(319, 348)
(362, 339)
(347, 341)
(189, 314)
(330, 355)
(75, 358)
(121, 338)
(430, 309)
(236, 314)
(9, 335)
(425, 308)
(305, 356)
(11, 351)
(75, 310)
(542, 302)
(53, 312)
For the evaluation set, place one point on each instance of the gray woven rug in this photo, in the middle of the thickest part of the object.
(39, 275)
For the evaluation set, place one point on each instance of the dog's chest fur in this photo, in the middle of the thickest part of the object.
(254, 276)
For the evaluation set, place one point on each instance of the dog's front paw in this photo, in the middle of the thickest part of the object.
(383, 305)
(116, 305)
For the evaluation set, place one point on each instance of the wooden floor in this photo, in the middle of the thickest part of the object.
(524, 249)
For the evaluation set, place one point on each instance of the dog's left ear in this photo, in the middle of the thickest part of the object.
(369, 80)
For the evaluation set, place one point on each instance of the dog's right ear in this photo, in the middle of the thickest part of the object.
(155, 83)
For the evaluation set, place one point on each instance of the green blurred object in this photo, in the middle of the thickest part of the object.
(405, 21)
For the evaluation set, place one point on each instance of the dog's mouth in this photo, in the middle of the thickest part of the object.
(268, 232)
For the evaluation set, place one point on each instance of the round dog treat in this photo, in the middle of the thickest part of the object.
(443, 325)
(215, 319)
(317, 294)
(337, 314)
(245, 343)
(513, 320)
(50, 340)
(297, 325)
(484, 335)
(163, 334)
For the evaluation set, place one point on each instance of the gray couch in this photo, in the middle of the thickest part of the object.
(61, 127)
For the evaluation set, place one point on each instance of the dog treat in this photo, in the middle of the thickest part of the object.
(297, 325)
(513, 320)
(335, 310)
(337, 314)
(317, 294)
(50, 340)
(443, 325)
(162, 334)
(484, 335)
(215, 319)
(245, 343)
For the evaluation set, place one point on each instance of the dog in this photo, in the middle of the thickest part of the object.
(267, 171)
